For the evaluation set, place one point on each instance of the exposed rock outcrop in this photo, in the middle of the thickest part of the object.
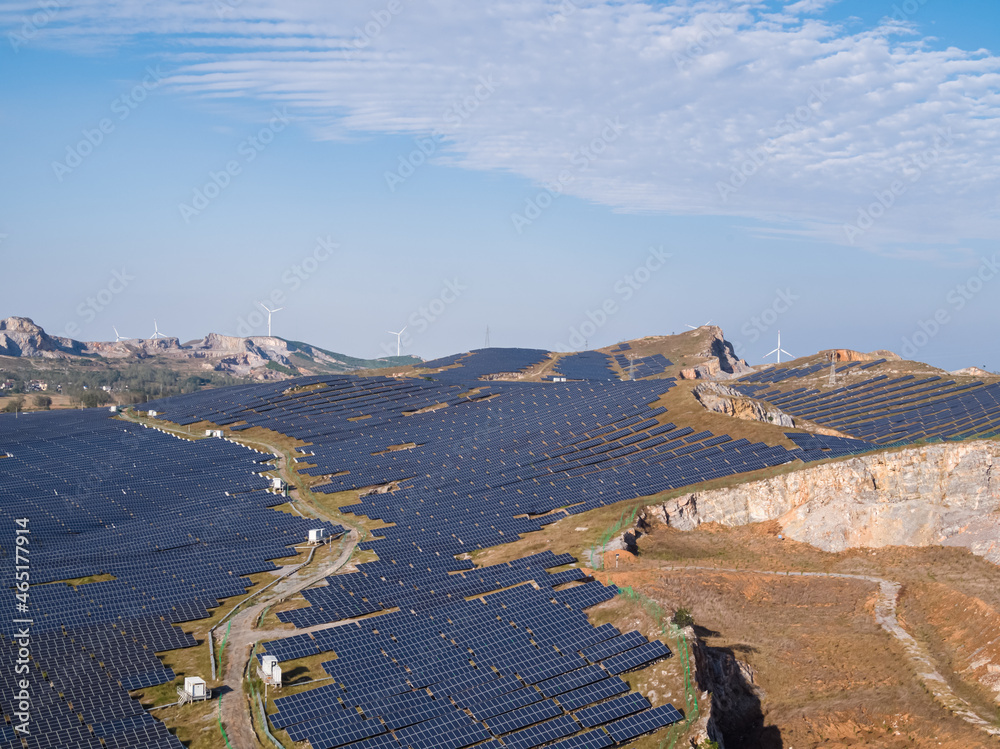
(848, 355)
(721, 361)
(973, 372)
(725, 400)
(19, 336)
(947, 494)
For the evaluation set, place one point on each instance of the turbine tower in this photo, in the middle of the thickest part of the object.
(779, 351)
(156, 331)
(399, 338)
(117, 336)
(269, 313)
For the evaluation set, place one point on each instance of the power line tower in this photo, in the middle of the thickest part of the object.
(631, 368)
(487, 345)
(833, 371)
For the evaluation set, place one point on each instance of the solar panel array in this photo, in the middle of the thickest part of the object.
(884, 411)
(643, 366)
(506, 666)
(176, 524)
(481, 466)
(472, 463)
(491, 361)
(587, 365)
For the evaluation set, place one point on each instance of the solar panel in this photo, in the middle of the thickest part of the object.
(634, 726)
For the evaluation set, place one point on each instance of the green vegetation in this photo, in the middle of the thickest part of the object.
(683, 618)
(273, 365)
(98, 382)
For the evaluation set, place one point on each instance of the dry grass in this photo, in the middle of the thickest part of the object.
(829, 674)
(963, 635)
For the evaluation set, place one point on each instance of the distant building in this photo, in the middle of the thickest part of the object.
(37, 386)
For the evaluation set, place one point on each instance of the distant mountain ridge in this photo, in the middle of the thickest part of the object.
(265, 356)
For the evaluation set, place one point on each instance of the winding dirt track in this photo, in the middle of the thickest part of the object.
(885, 616)
(237, 712)
(236, 709)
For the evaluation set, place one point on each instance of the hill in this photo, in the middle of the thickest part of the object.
(522, 540)
(131, 370)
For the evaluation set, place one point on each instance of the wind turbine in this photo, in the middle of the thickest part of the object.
(117, 336)
(693, 327)
(399, 338)
(269, 313)
(779, 351)
(156, 331)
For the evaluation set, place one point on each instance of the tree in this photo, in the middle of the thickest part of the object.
(43, 401)
(683, 618)
(14, 404)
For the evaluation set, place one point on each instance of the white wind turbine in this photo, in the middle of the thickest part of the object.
(117, 336)
(695, 327)
(399, 338)
(779, 351)
(269, 313)
(156, 331)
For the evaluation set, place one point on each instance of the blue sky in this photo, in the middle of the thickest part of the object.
(829, 169)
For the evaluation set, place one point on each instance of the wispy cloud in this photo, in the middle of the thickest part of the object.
(700, 84)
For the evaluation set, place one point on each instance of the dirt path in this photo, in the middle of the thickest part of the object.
(237, 713)
(885, 616)
(236, 710)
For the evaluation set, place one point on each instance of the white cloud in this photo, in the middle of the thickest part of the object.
(822, 120)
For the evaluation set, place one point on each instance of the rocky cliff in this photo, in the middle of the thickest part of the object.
(725, 400)
(19, 336)
(721, 361)
(947, 494)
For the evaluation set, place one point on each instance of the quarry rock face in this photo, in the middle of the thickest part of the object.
(725, 400)
(946, 494)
